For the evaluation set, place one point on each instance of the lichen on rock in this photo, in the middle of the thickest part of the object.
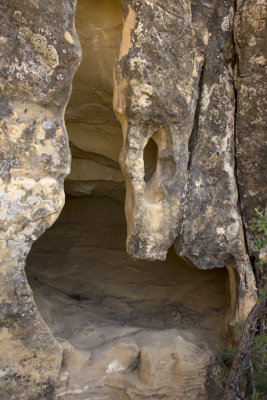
(187, 147)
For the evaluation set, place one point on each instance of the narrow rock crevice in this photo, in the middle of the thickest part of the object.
(191, 145)
(193, 136)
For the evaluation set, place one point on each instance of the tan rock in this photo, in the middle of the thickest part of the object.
(133, 329)
(86, 170)
(90, 120)
(190, 93)
(171, 363)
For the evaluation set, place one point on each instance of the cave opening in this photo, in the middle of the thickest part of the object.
(114, 314)
(105, 307)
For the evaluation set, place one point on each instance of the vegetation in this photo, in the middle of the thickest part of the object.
(259, 225)
(252, 382)
(244, 370)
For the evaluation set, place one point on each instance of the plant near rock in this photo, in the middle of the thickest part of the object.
(259, 225)
(246, 367)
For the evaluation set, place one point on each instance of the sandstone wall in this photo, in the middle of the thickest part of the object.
(39, 55)
(189, 75)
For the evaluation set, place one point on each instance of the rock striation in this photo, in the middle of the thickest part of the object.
(94, 132)
(189, 91)
(126, 326)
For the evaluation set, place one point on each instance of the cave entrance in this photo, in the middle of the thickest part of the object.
(129, 328)
(108, 310)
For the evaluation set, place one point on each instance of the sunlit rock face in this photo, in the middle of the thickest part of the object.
(187, 147)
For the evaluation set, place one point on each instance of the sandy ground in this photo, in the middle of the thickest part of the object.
(94, 296)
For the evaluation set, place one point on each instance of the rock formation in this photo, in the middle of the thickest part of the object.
(94, 133)
(126, 326)
(190, 94)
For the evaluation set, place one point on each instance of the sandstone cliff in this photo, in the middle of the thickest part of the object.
(187, 82)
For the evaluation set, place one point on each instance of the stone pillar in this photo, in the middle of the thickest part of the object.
(174, 83)
(39, 55)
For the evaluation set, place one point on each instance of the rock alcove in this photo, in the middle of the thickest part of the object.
(189, 94)
(127, 326)
(130, 329)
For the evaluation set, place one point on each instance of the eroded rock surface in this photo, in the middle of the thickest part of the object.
(189, 111)
(251, 119)
(127, 326)
(94, 132)
(39, 55)
(160, 105)
(190, 93)
(211, 218)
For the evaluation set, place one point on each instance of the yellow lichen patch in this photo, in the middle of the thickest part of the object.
(16, 131)
(41, 46)
(252, 41)
(261, 60)
(210, 212)
(3, 39)
(220, 230)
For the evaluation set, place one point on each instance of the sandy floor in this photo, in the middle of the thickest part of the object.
(91, 293)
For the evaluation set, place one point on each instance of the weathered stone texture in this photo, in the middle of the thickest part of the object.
(251, 117)
(155, 96)
(212, 232)
(94, 132)
(127, 326)
(190, 92)
(188, 107)
(39, 54)
(209, 218)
